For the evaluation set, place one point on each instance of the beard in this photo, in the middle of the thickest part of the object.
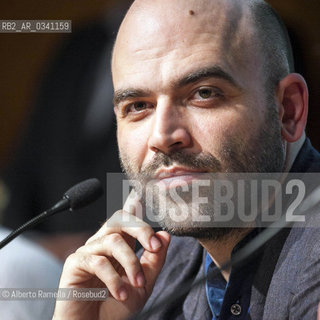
(263, 153)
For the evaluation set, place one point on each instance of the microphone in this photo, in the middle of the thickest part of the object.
(75, 198)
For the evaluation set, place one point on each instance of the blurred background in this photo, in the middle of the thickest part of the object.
(56, 118)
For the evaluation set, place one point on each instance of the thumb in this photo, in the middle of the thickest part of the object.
(152, 262)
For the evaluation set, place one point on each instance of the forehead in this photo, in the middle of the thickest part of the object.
(162, 39)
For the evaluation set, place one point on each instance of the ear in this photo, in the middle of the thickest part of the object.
(292, 93)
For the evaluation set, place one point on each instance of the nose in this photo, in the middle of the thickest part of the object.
(170, 129)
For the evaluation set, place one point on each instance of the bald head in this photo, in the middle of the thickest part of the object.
(169, 22)
(236, 26)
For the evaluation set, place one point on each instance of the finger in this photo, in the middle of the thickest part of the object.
(115, 246)
(123, 222)
(152, 262)
(129, 206)
(80, 268)
(132, 204)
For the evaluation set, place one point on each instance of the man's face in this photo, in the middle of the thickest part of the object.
(189, 95)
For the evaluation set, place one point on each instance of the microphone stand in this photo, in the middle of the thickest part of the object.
(62, 205)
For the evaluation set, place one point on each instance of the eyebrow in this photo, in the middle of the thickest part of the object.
(208, 72)
(195, 76)
(121, 95)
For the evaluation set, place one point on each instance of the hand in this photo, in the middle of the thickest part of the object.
(107, 260)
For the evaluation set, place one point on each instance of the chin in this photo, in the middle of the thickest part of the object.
(198, 232)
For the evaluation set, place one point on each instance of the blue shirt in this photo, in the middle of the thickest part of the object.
(215, 288)
(231, 300)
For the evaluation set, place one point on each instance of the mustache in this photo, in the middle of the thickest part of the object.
(191, 160)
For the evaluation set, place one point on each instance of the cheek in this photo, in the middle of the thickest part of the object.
(212, 132)
(132, 144)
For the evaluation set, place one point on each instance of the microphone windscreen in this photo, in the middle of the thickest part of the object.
(84, 193)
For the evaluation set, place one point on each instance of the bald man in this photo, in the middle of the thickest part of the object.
(201, 86)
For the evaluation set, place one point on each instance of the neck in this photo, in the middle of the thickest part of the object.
(220, 250)
(292, 150)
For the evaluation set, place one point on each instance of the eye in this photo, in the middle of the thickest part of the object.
(138, 107)
(207, 93)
